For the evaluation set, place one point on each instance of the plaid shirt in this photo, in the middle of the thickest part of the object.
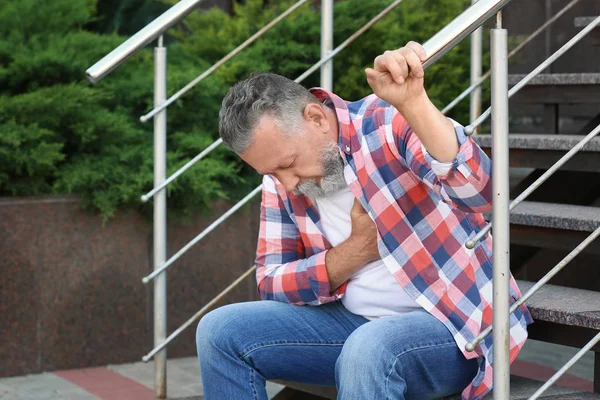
(423, 221)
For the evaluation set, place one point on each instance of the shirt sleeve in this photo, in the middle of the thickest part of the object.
(465, 183)
(283, 272)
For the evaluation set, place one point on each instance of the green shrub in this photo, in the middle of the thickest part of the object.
(59, 134)
(293, 45)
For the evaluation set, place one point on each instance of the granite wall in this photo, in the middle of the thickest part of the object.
(71, 293)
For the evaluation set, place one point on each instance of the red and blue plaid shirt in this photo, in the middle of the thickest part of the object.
(422, 219)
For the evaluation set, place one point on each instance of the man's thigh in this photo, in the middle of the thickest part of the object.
(283, 341)
(413, 356)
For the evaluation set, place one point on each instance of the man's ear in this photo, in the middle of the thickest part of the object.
(315, 114)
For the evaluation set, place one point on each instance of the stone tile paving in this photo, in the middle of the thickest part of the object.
(41, 387)
(555, 356)
(183, 383)
(183, 377)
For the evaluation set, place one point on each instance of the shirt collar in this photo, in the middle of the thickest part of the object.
(346, 129)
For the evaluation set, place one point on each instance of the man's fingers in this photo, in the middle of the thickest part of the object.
(417, 48)
(403, 64)
(372, 76)
(413, 61)
(387, 62)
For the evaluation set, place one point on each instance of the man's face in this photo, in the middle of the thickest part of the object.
(306, 161)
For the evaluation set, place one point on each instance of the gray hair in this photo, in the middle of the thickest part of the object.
(261, 94)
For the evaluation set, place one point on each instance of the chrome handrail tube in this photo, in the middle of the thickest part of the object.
(438, 45)
(459, 28)
(199, 314)
(538, 182)
(434, 47)
(521, 45)
(142, 38)
(222, 61)
(304, 75)
(565, 368)
(202, 234)
(327, 43)
(549, 275)
(566, 47)
(500, 210)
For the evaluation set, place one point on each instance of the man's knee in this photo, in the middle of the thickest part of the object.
(215, 329)
(233, 327)
(361, 352)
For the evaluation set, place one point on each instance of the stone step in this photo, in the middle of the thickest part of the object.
(564, 306)
(553, 226)
(558, 88)
(521, 389)
(587, 78)
(556, 216)
(543, 150)
(532, 141)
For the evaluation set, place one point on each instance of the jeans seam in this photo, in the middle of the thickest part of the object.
(247, 352)
(396, 358)
(252, 385)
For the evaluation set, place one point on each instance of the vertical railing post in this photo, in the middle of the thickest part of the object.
(476, 54)
(501, 221)
(327, 43)
(160, 219)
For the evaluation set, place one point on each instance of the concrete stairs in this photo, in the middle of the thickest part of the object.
(521, 389)
(558, 88)
(546, 225)
(543, 150)
(563, 315)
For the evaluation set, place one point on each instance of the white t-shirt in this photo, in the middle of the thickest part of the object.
(372, 291)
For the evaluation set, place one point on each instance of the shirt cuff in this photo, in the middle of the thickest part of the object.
(439, 168)
(319, 280)
(442, 169)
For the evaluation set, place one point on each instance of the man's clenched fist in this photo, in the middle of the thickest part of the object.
(397, 76)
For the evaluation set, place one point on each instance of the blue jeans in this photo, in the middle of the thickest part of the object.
(409, 356)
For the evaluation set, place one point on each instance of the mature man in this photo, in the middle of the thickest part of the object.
(365, 211)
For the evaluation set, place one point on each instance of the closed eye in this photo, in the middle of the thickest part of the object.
(288, 165)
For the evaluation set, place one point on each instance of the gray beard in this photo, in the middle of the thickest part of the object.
(333, 176)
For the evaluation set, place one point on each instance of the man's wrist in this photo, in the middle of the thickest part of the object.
(435, 130)
(414, 106)
(359, 250)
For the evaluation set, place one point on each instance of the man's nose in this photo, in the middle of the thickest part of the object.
(288, 181)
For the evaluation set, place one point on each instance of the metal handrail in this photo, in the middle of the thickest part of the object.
(538, 182)
(433, 53)
(222, 61)
(254, 192)
(143, 37)
(459, 28)
(500, 209)
(569, 364)
(199, 314)
(435, 48)
(306, 73)
(549, 275)
(202, 234)
(471, 127)
(521, 45)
